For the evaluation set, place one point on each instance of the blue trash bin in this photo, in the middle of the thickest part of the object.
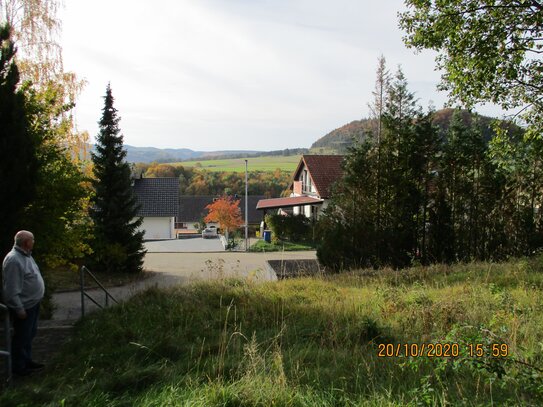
(267, 236)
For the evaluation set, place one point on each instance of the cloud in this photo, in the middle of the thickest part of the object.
(235, 74)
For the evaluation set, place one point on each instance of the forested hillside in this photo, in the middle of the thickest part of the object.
(338, 140)
(198, 181)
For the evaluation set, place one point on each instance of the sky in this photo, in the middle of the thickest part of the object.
(236, 74)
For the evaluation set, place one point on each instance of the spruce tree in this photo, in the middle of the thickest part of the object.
(400, 194)
(118, 244)
(18, 166)
(377, 110)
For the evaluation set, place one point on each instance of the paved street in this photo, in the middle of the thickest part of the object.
(183, 268)
(187, 245)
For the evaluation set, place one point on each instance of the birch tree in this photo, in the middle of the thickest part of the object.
(36, 30)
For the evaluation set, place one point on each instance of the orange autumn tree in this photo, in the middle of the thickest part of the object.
(226, 212)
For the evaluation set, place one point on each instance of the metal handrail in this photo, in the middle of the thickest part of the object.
(7, 332)
(85, 294)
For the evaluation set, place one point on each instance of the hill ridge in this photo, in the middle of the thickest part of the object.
(338, 140)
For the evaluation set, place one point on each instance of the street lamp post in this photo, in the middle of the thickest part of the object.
(246, 208)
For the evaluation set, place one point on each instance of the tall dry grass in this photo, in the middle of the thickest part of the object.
(307, 342)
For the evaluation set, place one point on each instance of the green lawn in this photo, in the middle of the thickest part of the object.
(269, 163)
(262, 246)
(310, 342)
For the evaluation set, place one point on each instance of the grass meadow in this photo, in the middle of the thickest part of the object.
(310, 342)
(268, 163)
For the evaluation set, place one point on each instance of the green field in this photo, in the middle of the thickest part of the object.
(267, 163)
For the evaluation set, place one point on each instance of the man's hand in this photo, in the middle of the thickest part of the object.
(21, 314)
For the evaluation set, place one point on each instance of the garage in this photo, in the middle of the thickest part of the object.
(158, 203)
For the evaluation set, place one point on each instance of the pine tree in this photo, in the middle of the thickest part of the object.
(118, 244)
(400, 195)
(422, 165)
(347, 232)
(377, 109)
(18, 166)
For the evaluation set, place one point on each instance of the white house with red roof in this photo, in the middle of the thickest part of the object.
(311, 186)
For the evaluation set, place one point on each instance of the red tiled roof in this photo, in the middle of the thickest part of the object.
(287, 202)
(325, 170)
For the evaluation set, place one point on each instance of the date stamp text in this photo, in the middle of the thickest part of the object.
(442, 350)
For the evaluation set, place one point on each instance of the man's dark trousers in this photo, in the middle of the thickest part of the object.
(24, 333)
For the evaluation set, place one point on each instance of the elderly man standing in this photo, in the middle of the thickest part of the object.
(23, 291)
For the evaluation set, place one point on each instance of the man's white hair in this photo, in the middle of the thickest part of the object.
(22, 236)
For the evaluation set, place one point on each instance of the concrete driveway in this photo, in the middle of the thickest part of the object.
(170, 269)
(187, 245)
(198, 266)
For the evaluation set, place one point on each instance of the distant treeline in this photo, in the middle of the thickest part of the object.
(197, 181)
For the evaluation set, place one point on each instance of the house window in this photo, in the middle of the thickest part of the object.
(306, 182)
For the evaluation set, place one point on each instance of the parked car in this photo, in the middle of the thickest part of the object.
(209, 233)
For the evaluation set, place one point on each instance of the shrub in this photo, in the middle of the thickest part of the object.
(289, 227)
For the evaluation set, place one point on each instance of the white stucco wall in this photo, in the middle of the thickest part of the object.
(190, 224)
(158, 228)
(324, 204)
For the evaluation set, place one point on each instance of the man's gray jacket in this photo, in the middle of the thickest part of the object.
(22, 280)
